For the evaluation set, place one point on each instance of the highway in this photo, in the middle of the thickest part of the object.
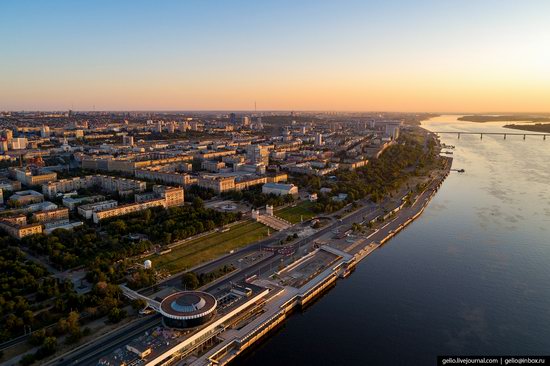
(269, 264)
(90, 353)
(175, 280)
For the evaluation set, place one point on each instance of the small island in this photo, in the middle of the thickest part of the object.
(538, 127)
(510, 118)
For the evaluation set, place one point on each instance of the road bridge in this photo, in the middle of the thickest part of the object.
(504, 134)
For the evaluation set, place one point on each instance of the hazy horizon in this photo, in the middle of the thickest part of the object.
(398, 56)
(252, 111)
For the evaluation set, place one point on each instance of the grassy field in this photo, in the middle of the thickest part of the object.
(209, 247)
(293, 214)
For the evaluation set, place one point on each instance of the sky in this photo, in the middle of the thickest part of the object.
(409, 56)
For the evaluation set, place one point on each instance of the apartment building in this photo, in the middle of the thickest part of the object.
(130, 163)
(162, 196)
(205, 155)
(51, 215)
(173, 196)
(17, 227)
(173, 178)
(123, 186)
(71, 203)
(258, 154)
(217, 183)
(88, 210)
(249, 182)
(23, 198)
(277, 178)
(126, 209)
(212, 165)
(32, 178)
(10, 185)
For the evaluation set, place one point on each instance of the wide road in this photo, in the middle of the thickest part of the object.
(175, 280)
(404, 214)
(92, 352)
(271, 263)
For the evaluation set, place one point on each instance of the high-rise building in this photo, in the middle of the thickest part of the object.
(246, 121)
(319, 139)
(232, 118)
(171, 127)
(391, 128)
(45, 131)
(258, 125)
(183, 126)
(195, 126)
(258, 154)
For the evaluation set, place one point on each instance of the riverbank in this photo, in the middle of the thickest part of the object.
(503, 118)
(289, 299)
(538, 127)
(468, 276)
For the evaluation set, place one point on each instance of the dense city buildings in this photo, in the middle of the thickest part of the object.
(108, 190)
(179, 178)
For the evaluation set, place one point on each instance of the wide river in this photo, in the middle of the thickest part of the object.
(471, 276)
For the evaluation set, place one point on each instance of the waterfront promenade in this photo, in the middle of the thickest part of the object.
(288, 298)
(320, 259)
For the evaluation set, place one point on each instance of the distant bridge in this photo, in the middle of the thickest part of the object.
(504, 134)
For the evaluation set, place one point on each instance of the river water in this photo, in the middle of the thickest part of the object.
(471, 276)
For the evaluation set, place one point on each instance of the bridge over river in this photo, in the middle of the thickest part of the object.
(504, 134)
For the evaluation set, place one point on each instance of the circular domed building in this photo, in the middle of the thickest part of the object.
(187, 309)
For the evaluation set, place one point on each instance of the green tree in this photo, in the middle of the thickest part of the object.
(116, 315)
(198, 203)
(189, 280)
(48, 348)
(138, 304)
(37, 338)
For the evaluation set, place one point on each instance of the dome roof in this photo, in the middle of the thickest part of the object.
(188, 303)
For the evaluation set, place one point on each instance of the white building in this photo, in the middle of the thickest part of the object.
(279, 189)
(88, 210)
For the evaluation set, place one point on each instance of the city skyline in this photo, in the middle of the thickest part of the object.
(282, 182)
(357, 56)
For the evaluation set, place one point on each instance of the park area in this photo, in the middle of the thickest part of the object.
(302, 211)
(209, 247)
